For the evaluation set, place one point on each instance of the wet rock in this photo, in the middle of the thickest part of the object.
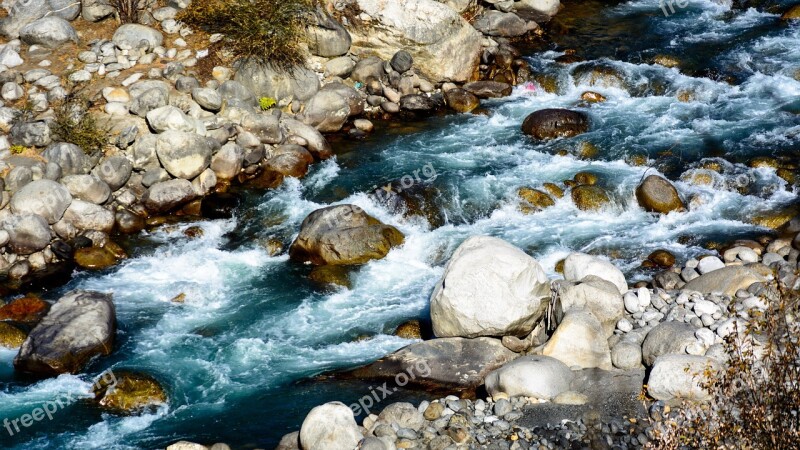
(129, 393)
(589, 198)
(666, 61)
(460, 100)
(534, 200)
(128, 222)
(427, 30)
(331, 426)
(219, 205)
(486, 271)
(51, 32)
(94, 258)
(331, 276)
(79, 326)
(343, 235)
(28, 310)
(409, 330)
(579, 340)
(657, 194)
(553, 123)
(792, 13)
(679, 377)
(662, 258)
(44, 198)
(593, 97)
(28, 233)
(531, 376)
(167, 195)
(488, 89)
(449, 363)
(11, 336)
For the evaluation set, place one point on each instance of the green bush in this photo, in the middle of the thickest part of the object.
(266, 103)
(265, 30)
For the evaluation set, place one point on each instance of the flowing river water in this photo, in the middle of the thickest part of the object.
(239, 357)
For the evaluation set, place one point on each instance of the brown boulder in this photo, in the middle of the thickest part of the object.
(461, 100)
(554, 123)
(657, 194)
(589, 198)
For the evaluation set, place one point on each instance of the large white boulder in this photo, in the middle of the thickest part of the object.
(601, 297)
(579, 265)
(330, 427)
(489, 288)
(580, 341)
(443, 45)
(679, 377)
(531, 376)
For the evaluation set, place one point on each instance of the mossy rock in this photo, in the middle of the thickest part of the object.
(586, 178)
(11, 336)
(657, 194)
(589, 198)
(637, 160)
(587, 150)
(787, 175)
(553, 190)
(666, 61)
(763, 162)
(193, 232)
(534, 200)
(129, 393)
(95, 258)
(29, 309)
(662, 258)
(775, 219)
(331, 275)
(698, 177)
(409, 330)
(686, 96)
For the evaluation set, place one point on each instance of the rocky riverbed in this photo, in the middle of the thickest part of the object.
(546, 278)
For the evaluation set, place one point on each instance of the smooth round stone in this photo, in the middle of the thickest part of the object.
(625, 325)
(116, 109)
(94, 258)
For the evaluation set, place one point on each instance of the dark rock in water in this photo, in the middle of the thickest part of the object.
(129, 393)
(62, 249)
(662, 258)
(402, 61)
(411, 198)
(343, 235)
(327, 276)
(488, 89)
(657, 194)
(80, 326)
(416, 103)
(449, 363)
(94, 258)
(414, 329)
(554, 123)
(290, 160)
(460, 100)
(219, 205)
(79, 242)
(129, 222)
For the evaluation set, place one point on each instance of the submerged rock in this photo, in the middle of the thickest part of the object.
(129, 393)
(489, 288)
(548, 124)
(589, 198)
(343, 235)
(79, 326)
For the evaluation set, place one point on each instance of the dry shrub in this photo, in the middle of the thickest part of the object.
(73, 124)
(265, 30)
(756, 398)
(128, 10)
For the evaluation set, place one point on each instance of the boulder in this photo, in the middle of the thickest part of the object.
(89, 216)
(504, 24)
(52, 32)
(133, 35)
(263, 80)
(149, 100)
(79, 326)
(115, 171)
(340, 67)
(183, 155)
(488, 89)
(367, 69)
(792, 13)
(626, 355)
(45, 198)
(448, 363)
(265, 127)
(331, 426)
(327, 37)
(417, 103)
(667, 338)
(327, 111)
(599, 296)
(489, 288)
(577, 266)
(551, 123)
(540, 11)
(167, 195)
(343, 235)
(443, 45)
(657, 194)
(402, 61)
(290, 160)
(405, 415)
(168, 118)
(28, 233)
(94, 258)
(460, 100)
(129, 393)
(227, 162)
(30, 134)
(726, 280)
(679, 377)
(96, 10)
(579, 341)
(21, 13)
(530, 376)
(87, 187)
(11, 337)
(208, 99)
(71, 158)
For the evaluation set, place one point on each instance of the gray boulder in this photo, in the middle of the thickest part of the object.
(367, 69)
(726, 280)
(143, 152)
(267, 81)
(31, 134)
(402, 61)
(71, 158)
(540, 11)
(577, 266)
(343, 235)
(227, 162)
(317, 144)
(22, 13)
(266, 127)
(667, 338)
(327, 37)
(679, 377)
(579, 341)
(327, 111)
(78, 327)
(331, 426)
(45, 198)
(530, 376)
(96, 10)
(489, 288)
(87, 187)
(115, 171)
(184, 155)
(340, 67)
(51, 32)
(28, 233)
(168, 118)
(601, 297)
(208, 99)
(450, 363)
(149, 100)
(404, 415)
(234, 91)
(167, 195)
(132, 35)
(89, 216)
(496, 23)
(627, 354)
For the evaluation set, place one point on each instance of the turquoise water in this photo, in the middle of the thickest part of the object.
(239, 357)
